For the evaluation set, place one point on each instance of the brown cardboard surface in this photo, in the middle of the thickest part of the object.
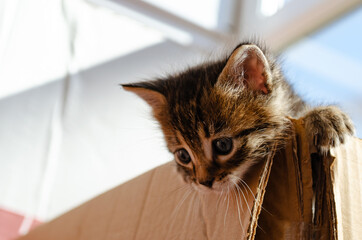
(286, 188)
(288, 199)
(156, 205)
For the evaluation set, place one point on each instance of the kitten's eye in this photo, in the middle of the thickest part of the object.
(222, 146)
(183, 156)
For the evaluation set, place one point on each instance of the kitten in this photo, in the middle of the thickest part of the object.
(222, 117)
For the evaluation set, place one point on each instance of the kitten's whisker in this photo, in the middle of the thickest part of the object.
(237, 204)
(199, 206)
(243, 183)
(219, 198)
(242, 209)
(227, 207)
(225, 196)
(238, 191)
(246, 202)
(261, 228)
(193, 212)
(180, 188)
(175, 211)
(245, 186)
(165, 197)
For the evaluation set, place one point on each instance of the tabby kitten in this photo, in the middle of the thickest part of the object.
(222, 117)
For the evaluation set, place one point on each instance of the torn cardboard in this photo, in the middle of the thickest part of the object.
(294, 194)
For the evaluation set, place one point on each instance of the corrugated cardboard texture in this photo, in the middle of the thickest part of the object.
(158, 205)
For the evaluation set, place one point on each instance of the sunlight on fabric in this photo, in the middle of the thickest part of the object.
(199, 12)
(270, 7)
(36, 45)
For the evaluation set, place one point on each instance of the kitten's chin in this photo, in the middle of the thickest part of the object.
(217, 187)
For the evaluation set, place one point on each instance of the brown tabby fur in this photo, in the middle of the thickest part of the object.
(218, 99)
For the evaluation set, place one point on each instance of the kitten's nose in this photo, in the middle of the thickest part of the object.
(208, 183)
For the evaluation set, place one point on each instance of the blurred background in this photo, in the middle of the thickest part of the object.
(68, 132)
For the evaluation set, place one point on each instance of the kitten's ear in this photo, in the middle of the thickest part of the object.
(154, 98)
(247, 66)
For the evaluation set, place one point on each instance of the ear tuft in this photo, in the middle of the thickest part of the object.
(247, 66)
(154, 98)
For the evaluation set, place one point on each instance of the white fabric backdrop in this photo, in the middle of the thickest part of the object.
(64, 139)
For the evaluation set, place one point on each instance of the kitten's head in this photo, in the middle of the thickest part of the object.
(218, 118)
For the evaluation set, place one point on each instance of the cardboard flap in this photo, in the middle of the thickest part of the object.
(313, 196)
(287, 206)
(347, 185)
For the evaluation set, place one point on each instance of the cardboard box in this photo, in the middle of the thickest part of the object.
(294, 194)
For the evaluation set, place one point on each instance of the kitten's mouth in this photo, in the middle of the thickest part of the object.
(217, 187)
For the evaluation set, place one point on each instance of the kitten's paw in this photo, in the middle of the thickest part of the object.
(328, 127)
